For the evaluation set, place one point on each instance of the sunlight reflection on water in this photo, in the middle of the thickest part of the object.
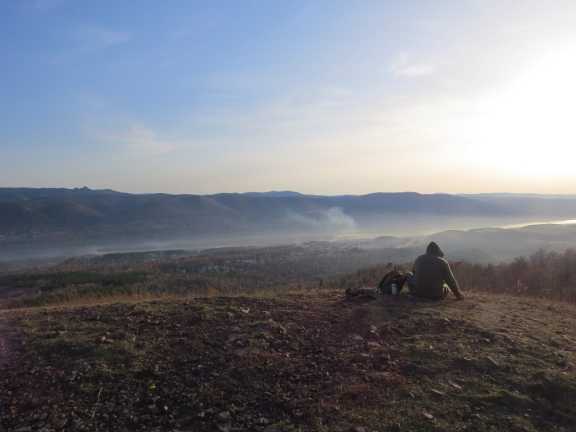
(525, 224)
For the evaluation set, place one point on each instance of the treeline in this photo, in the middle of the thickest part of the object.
(543, 274)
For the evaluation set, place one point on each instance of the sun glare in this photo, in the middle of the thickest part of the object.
(528, 127)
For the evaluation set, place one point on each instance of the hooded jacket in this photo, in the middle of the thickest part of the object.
(431, 272)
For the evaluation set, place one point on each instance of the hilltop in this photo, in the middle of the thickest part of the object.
(292, 362)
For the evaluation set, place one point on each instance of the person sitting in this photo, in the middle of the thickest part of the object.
(431, 274)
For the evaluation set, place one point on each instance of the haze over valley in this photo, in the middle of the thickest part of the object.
(36, 223)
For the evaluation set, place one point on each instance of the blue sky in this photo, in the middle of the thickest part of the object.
(317, 96)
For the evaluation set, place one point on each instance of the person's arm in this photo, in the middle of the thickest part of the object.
(416, 261)
(452, 282)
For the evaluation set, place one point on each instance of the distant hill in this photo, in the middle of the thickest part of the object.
(498, 244)
(33, 213)
(274, 194)
(545, 206)
(59, 218)
(485, 245)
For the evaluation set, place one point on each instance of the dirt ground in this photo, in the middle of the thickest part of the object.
(291, 363)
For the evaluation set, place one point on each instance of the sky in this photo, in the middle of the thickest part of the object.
(318, 96)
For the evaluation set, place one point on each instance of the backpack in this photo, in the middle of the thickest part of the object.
(392, 282)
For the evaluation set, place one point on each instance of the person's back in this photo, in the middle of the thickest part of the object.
(431, 272)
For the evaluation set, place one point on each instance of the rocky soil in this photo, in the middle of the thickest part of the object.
(291, 363)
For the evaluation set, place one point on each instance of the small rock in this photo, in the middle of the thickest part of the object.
(494, 362)
(224, 415)
(456, 386)
(375, 346)
(428, 415)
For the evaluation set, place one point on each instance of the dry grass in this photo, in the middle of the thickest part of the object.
(542, 276)
(143, 297)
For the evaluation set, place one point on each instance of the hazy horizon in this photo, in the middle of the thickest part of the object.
(290, 191)
(323, 97)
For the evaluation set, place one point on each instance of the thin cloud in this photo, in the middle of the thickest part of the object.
(415, 70)
(139, 140)
(405, 67)
(88, 40)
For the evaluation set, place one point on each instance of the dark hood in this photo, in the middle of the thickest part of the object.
(434, 249)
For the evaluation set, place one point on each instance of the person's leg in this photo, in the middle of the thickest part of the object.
(410, 282)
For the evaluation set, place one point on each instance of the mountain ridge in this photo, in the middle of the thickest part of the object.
(58, 218)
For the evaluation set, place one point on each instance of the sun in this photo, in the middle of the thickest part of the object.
(529, 126)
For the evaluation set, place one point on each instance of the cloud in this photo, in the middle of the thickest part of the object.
(415, 70)
(88, 40)
(296, 117)
(138, 140)
(405, 67)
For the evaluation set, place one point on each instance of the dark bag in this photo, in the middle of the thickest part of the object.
(392, 283)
